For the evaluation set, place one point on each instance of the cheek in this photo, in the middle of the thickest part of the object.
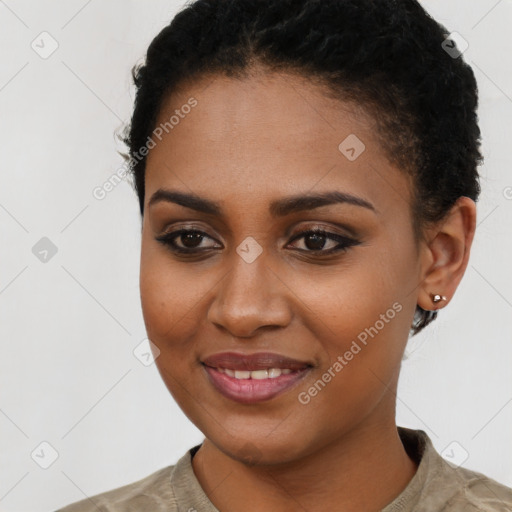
(361, 311)
(362, 325)
(168, 294)
(349, 297)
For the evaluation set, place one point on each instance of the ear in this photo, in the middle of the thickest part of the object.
(446, 254)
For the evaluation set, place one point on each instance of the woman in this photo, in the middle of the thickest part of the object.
(307, 178)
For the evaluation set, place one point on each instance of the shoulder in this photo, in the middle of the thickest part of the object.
(453, 488)
(443, 486)
(475, 492)
(154, 492)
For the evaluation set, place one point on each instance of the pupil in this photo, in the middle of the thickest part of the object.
(318, 241)
(191, 237)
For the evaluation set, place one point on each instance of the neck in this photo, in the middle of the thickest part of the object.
(364, 470)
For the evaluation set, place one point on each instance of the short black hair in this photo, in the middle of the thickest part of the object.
(387, 55)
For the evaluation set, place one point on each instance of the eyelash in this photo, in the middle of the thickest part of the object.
(345, 243)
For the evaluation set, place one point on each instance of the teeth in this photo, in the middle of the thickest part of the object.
(270, 373)
(259, 374)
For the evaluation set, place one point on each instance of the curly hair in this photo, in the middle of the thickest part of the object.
(385, 55)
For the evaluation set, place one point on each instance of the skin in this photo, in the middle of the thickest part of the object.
(247, 143)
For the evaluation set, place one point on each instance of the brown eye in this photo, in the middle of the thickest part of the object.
(315, 241)
(189, 241)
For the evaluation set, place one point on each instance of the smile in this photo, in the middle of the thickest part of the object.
(251, 387)
(270, 373)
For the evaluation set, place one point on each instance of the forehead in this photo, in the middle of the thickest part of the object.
(267, 136)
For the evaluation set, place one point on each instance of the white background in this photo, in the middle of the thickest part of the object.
(68, 326)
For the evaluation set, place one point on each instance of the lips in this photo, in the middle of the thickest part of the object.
(253, 362)
(254, 378)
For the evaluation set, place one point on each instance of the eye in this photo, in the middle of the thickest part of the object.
(190, 241)
(316, 239)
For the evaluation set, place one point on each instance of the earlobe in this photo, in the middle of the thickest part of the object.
(438, 299)
(431, 301)
(448, 255)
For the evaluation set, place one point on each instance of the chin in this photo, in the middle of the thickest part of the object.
(262, 451)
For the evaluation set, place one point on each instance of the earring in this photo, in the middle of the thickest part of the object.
(437, 298)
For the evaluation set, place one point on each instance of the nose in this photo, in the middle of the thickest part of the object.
(249, 297)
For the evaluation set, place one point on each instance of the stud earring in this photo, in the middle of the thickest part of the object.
(437, 298)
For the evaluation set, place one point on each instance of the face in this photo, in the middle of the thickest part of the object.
(229, 265)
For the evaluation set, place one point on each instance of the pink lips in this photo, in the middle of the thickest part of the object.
(252, 390)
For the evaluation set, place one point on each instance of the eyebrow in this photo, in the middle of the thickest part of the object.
(278, 208)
